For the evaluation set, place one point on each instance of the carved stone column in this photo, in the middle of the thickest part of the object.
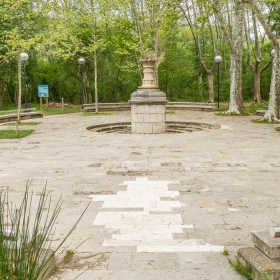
(148, 103)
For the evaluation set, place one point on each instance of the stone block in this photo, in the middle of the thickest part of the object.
(260, 263)
(137, 118)
(159, 127)
(143, 128)
(154, 118)
(143, 109)
(161, 109)
(269, 246)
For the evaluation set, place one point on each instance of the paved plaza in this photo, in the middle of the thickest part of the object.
(162, 206)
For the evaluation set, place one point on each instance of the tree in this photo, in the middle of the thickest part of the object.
(154, 22)
(205, 36)
(258, 43)
(273, 112)
(234, 38)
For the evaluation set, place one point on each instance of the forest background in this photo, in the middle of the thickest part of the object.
(113, 35)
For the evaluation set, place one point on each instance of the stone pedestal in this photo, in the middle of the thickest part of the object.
(264, 258)
(148, 104)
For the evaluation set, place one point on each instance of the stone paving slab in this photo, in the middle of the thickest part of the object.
(225, 183)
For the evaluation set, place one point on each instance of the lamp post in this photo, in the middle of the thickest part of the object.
(218, 59)
(24, 58)
(82, 62)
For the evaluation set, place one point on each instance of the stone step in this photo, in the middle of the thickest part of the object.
(260, 263)
(269, 246)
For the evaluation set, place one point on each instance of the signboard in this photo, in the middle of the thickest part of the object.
(43, 91)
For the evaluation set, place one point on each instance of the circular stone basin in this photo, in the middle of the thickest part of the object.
(171, 127)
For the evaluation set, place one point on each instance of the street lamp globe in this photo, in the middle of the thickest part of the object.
(218, 59)
(273, 52)
(23, 56)
(81, 61)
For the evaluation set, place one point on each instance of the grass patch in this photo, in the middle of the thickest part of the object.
(58, 111)
(68, 255)
(224, 114)
(264, 121)
(23, 123)
(223, 107)
(249, 109)
(253, 107)
(89, 114)
(170, 112)
(225, 252)
(11, 134)
(244, 270)
(277, 128)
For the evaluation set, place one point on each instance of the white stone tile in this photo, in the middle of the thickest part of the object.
(170, 204)
(149, 249)
(107, 218)
(136, 188)
(152, 219)
(157, 236)
(127, 236)
(171, 194)
(198, 248)
(112, 242)
(134, 229)
(130, 218)
(172, 219)
(187, 226)
(118, 226)
(114, 204)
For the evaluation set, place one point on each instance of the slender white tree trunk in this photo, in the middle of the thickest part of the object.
(236, 100)
(273, 112)
(211, 87)
(257, 84)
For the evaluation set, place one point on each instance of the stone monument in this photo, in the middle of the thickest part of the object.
(148, 103)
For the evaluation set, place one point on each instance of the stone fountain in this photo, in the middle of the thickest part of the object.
(148, 103)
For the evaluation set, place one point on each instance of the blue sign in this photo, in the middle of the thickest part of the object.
(43, 91)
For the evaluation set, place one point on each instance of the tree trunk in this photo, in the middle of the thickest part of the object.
(273, 112)
(235, 43)
(236, 100)
(257, 85)
(200, 89)
(2, 87)
(211, 87)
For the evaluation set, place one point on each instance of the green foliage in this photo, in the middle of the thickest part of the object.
(25, 236)
(225, 114)
(68, 255)
(244, 270)
(11, 134)
(55, 111)
(264, 121)
(225, 252)
(253, 107)
(277, 128)
(54, 44)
